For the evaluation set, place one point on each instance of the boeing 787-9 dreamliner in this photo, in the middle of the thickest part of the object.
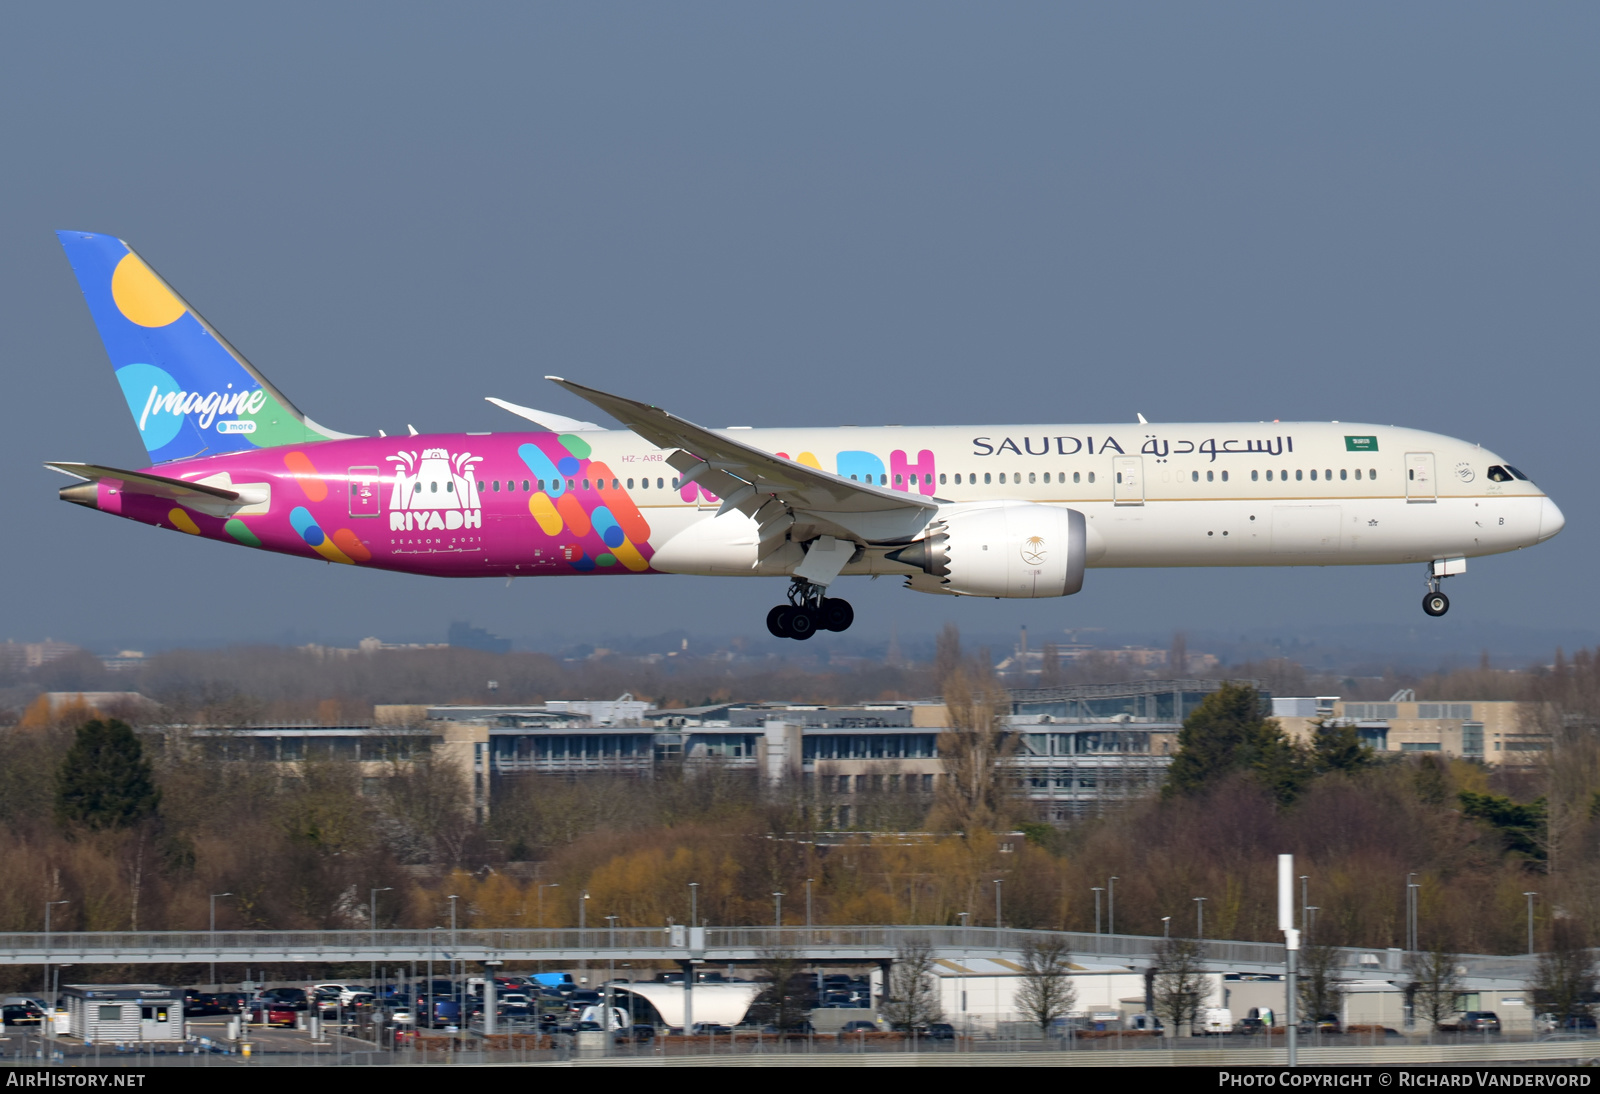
(995, 511)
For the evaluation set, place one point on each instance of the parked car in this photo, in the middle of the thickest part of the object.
(290, 998)
(270, 1013)
(1327, 1023)
(854, 1027)
(940, 1031)
(1249, 1027)
(1473, 1021)
(1549, 1022)
(22, 1014)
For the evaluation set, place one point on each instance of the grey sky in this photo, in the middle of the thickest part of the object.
(789, 214)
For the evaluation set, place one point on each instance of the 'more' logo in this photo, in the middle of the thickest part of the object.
(160, 406)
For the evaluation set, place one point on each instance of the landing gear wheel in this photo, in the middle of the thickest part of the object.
(778, 621)
(802, 623)
(835, 615)
(1436, 603)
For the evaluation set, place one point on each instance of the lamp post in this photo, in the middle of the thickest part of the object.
(542, 888)
(1111, 905)
(47, 906)
(777, 909)
(1310, 918)
(1200, 918)
(213, 940)
(694, 904)
(1530, 897)
(1097, 890)
(998, 888)
(454, 949)
(1411, 913)
(372, 923)
(1166, 927)
(611, 959)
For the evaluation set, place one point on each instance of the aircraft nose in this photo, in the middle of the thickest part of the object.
(1550, 519)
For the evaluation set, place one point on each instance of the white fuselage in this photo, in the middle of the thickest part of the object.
(1239, 494)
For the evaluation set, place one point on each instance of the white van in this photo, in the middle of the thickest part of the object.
(1216, 1020)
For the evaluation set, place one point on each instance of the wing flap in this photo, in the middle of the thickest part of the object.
(731, 469)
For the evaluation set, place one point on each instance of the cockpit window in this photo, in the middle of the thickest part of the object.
(1499, 474)
(1517, 473)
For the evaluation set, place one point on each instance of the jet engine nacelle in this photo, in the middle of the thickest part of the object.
(1015, 549)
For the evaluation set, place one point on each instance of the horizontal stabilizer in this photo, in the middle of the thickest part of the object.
(554, 422)
(105, 487)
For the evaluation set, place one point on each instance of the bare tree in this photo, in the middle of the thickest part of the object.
(1181, 985)
(1047, 991)
(1564, 980)
(1432, 984)
(973, 793)
(1320, 989)
(783, 1002)
(913, 989)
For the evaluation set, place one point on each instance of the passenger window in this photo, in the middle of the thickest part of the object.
(897, 480)
(1269, 475)
(1343, 474)
(586, 484)
(1327, 475)
(1075, 476)
(615, 485)
(854, 479)
(496, 486)
(675, 484)
(630, 484)
(1194, 476)
(433, 488)
(660, 487)
(1372, 472)
(1211, 476)
(1091, 476)
(1224, 476)
(1411, 473)
(927, 480)
(1255, 476)
(1119, 476)
(1299, 475)
(986, 478)
(883, 480)
(525, 484)
(1358, 474)
(1047, 476)
(1003, 478)
(1313, 474)
(1031, 478)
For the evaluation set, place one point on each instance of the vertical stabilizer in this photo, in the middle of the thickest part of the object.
(190, 392)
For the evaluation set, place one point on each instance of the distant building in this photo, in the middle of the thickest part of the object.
(18, 656)
(1492, 731)
(1076, 749)
(466, 637)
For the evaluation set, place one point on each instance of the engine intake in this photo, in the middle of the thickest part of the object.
(1016, 550)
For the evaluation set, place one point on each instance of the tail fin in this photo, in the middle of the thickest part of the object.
(190, 392)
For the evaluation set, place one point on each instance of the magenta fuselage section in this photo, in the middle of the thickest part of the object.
(446, 505)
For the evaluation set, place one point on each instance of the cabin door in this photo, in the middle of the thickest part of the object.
(1419, 477)
(365, 497)
(1128, 480)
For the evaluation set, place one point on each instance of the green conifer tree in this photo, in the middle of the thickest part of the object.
(1229, 732)
(105, 782)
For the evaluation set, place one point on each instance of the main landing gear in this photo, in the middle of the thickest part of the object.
(808, 612)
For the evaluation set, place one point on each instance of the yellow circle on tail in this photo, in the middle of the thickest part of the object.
(141, 295)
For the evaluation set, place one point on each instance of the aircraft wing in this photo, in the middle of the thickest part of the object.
(142, 482)
(750, 480)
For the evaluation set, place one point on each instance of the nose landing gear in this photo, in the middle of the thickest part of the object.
(1436, 603)
(808, 612)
